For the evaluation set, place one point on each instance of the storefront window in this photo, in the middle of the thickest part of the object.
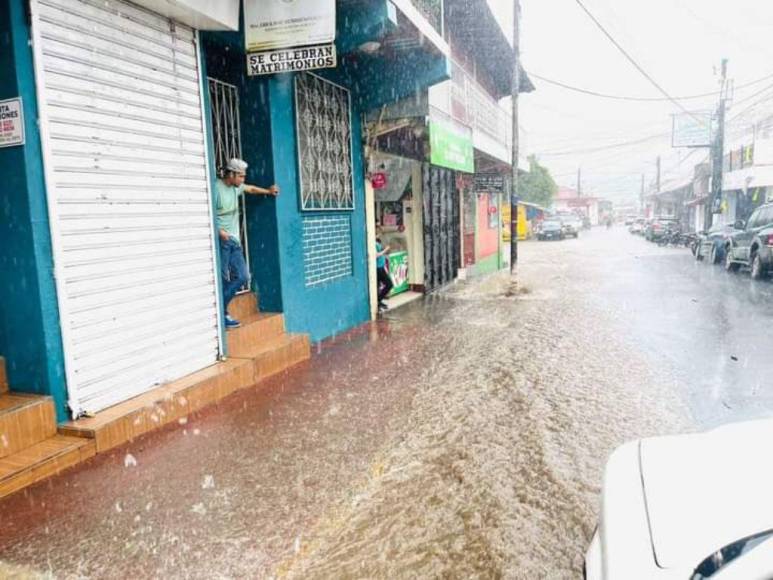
(324, 144)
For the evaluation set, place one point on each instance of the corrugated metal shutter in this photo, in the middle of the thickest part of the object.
(128, 186)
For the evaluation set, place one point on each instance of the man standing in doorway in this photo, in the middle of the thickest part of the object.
(228, 190)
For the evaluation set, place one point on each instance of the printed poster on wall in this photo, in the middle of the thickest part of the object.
(273, 24)
(11, 123)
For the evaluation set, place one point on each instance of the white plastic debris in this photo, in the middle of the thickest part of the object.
(199, 509)
(208, 483)
(129, 460)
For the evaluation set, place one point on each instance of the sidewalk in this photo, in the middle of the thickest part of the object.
(228, 490)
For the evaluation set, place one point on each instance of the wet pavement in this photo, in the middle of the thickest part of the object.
(463, 435)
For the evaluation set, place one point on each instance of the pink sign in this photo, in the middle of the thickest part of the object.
(379, 180)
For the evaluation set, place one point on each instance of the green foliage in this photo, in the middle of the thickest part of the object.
(537, 186)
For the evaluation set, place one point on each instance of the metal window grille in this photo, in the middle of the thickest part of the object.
(324, 144)
(227, 139)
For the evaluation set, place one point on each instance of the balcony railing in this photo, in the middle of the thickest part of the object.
(432, 10)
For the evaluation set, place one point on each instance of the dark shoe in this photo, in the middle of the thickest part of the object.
(382, 306)
(231, 322)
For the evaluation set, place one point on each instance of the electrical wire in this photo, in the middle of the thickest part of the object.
(604, 147)
(634, 63)
(640, 99)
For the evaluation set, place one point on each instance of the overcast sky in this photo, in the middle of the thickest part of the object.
(680, 43)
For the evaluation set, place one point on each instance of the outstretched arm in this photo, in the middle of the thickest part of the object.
(255, 190)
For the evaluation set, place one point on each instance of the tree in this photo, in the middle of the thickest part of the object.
(537, 186)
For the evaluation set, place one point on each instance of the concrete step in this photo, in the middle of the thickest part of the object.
(255, 329)
(243, 305)
(42, 460)
(25, 420)
(3, 377)
(166, 404)
(277, 354)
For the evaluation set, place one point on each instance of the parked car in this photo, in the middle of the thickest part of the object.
(657, 227)
(687, 507)
(752, 245)
(551, 229)
(572, 226)
(638, 225)
(711, 243)
(629, 219)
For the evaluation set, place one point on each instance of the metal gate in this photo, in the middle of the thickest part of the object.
(128, 189)
(227, 138)
(441, 226)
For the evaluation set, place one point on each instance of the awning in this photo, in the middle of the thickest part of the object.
(398, 172)
(697, 201)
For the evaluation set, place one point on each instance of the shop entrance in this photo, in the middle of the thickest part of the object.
(441, 226)
(227, 139)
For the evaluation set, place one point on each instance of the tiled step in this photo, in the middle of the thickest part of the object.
(42, 460)
(255, 329)
(166, 404)
(3, 377)
(243, 305)
(277, 354)
(24, 421)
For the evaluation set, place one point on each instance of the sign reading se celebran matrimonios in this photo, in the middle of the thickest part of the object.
(274, 24)
(291, 59)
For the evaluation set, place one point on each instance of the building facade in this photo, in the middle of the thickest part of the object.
(110, 261)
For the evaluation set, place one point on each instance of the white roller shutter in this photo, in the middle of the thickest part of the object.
(129, 199)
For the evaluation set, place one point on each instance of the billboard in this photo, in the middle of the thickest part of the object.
(691, 130)
(451, 145)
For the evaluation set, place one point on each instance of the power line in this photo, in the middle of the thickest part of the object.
(604, 147)
(639, 99)
(634, 63)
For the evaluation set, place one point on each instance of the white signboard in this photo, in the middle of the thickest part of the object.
(11, 123)
(272, 24)
(291, 59)
(691, 130)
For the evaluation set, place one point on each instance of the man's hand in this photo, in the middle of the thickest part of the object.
(273, 190)
(224, 235)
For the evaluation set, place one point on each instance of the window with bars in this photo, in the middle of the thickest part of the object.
(324, 144)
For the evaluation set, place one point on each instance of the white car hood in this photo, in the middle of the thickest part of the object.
(708, 490)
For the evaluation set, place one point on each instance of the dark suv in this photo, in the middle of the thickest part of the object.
(753, 245)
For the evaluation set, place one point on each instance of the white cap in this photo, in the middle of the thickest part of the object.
(236, 166)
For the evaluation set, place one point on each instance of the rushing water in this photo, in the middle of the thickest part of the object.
(497, 471)
(464, 436)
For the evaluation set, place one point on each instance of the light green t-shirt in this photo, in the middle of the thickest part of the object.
(227, 206)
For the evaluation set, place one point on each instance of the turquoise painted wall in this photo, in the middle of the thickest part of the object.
(326, 309)
(29, 318)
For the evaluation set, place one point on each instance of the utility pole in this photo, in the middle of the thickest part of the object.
(579, 181)
(657, 182)
(641, 195)
(717, 157)
(515, 87)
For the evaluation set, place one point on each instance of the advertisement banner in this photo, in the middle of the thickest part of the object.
(451, 145)
(11, 123)
(505, 213)
(273, 24)
(398, 271)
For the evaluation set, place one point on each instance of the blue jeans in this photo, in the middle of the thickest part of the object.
(233, 270)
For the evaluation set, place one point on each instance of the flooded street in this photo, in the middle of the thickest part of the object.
(461, 436)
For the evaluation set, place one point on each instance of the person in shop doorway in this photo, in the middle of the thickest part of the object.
(228, 190)
(384, 281)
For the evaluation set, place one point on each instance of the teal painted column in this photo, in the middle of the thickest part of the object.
(30, 337)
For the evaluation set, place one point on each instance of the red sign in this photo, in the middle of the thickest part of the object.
(492, 209)
(378, 180)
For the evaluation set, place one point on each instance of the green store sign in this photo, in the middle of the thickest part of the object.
(450, 146)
